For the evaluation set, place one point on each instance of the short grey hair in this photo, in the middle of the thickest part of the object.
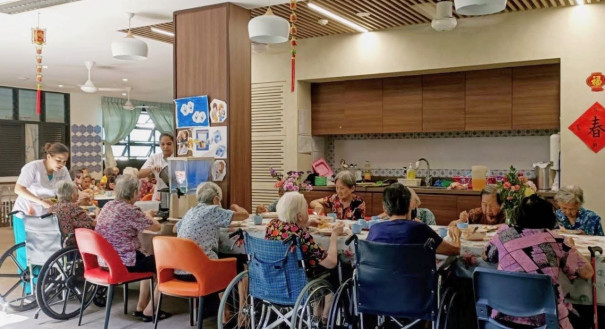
(206, 192)
(346, 177)
(290, 205)
(570, 194)
(131, 171)
(491, 190)
(66, 190)
(126, 187)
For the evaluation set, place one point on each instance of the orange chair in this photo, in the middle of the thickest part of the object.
(211, 275)
(92, 246)
(147, 197)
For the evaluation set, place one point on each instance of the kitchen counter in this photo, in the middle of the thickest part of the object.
(421, 190)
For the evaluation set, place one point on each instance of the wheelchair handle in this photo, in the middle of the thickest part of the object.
(15, 212)
(239, 232)
(594, 250)
(351, 238)
(12, 213)
(46, 215)
(290, 239)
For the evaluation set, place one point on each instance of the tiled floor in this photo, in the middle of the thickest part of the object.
(93, 316)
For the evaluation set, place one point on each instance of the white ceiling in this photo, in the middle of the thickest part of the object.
(84, 30)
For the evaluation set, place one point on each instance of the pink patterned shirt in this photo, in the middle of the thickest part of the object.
(537, 251)
(120, 223)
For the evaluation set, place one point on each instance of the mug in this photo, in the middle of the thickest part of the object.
(442, 231)
(363, 223)
(462, 226)
(109, 193)
(375, 218)
(258, 219)
(333, 215)
(356, 228)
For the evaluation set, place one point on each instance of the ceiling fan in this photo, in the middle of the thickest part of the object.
(89, 87)
(128, 104)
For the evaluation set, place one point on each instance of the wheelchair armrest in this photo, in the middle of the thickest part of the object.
(482, 309)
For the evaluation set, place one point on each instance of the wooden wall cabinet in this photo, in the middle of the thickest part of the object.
(402, 104)
(327, 108)
(362, 106)
(488, 100)
(443, 102)
(536, 97)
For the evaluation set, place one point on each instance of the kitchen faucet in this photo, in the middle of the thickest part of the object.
(427, 179)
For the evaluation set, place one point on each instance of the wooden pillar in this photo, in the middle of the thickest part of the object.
(212, 57)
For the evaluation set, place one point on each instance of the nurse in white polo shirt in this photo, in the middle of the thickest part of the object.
(37, 185)
(157, 162)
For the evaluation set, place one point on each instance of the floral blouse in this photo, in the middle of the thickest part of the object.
(278, 230)
(71, 217)
(587, 221)
(355, 211)
(476, 216)
(538, 251)
(146, 187)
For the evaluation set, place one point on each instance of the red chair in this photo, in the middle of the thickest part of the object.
(91, 246)
(211, 275)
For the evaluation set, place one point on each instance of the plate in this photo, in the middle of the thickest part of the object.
(574, 232)
(269, 215)
(325, 231)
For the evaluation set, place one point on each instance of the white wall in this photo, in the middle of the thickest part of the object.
(446, 153)
(571, 35)
(85, 109)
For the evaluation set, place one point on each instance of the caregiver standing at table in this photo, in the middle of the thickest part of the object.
(157, 162)
(37, 184)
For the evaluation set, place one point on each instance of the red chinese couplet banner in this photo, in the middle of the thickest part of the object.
(590, 127)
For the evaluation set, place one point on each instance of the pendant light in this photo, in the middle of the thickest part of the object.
(479, 7)
(129, 48)
(268, 28)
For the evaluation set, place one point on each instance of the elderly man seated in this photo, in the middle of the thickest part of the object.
(202, 222)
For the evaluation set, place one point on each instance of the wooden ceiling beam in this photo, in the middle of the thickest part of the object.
(349, 13)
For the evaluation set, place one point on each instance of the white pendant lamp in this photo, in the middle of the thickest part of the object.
(479, 7)
(444, 19)
(129, 48)
(268, 28)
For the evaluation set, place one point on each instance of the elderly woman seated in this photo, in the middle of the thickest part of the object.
(490, 212)
(402, 229)
(70, 215)
(202, 222)
(293, 218)
(344, 203)
(543, 251)
(572, 216)
(120, 222)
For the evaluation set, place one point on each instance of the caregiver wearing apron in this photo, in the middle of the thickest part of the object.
(157, 162)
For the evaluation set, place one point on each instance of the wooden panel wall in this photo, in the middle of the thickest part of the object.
(212, 57)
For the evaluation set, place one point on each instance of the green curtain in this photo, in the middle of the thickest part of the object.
(162, 115)
(117, 124)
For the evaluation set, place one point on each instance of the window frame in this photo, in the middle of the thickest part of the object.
(127, 143)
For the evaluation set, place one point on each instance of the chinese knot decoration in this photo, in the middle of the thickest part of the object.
(595, 81)
(293, 42)
(38, 39)
(590, 127)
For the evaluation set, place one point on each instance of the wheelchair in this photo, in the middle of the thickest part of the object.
(274, 292)
(393, 286)
(41, 272)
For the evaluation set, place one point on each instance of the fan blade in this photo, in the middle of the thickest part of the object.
(112, 89)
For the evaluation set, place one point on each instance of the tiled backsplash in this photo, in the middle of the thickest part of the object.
(87, 148)
(508, 150)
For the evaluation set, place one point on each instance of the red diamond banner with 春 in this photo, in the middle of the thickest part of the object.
(590, 127)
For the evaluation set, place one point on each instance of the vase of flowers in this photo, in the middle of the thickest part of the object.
(512, 189)
(292, 182)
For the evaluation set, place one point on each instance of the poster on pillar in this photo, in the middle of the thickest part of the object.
(210, 142)
(590, 127)
(192, 112)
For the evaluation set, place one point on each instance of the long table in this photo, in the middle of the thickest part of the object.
(580, 291)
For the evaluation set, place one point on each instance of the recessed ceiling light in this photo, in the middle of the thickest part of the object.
(123, 94)
(44, 66)
(338, 18)
(125, 80)
(579, 2)
(363, 14)
(60, 86)
(22, 78)
(322, 21)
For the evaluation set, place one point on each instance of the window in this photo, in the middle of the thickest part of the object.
(141, 143)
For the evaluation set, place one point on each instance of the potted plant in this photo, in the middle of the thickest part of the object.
(512, 189)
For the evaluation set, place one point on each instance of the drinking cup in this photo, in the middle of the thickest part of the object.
(356, 228)
(258, 219)
(442, 231)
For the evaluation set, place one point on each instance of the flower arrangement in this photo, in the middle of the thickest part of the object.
(512, 189)
(292, 182)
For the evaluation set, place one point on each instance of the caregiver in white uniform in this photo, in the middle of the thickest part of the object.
(157, 162)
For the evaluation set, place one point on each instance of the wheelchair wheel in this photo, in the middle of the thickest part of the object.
(342, 310)
(312, 305)
(237, 308)
(59, 290)
(100, 297)
(14, 281)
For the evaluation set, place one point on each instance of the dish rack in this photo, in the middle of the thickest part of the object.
(409, 182)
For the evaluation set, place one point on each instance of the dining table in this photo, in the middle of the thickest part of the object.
(579, 291)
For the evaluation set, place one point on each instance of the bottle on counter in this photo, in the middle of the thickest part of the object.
(411, 173)
(367, 172)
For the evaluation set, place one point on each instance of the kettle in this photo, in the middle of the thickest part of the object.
(545, 175)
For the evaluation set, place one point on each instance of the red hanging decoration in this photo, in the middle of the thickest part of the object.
(590, 127)
(293, 43)
(38, 39)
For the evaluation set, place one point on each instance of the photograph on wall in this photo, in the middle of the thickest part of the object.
(202, 140)
(184, 142)
(218, 111)
(219, 170)
(192, 112)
